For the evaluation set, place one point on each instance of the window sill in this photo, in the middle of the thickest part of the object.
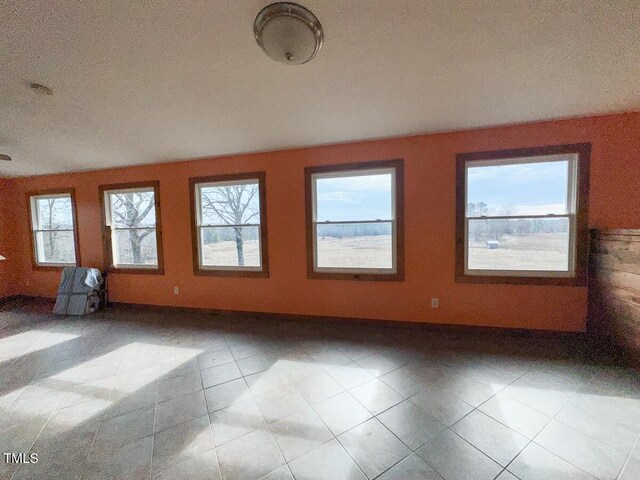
(203, 272)
(514, 280)
(136, 271)
(362, 277)
(52, 268)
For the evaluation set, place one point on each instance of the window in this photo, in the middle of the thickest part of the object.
(522, 216)
(132, 234)
(54, 230)
(355, 221)
(229, 225)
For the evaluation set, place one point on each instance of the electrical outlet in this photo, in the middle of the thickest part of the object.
(176, 290)
(434, 302)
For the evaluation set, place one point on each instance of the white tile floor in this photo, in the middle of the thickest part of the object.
(131, 393)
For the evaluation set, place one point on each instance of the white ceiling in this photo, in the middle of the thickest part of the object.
(150, 81)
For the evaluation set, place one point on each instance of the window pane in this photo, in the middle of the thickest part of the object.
(518, 189)
(55, 247)
(135, 247)
(354, 245)
(230, 246)
(354, 198)
(54, 213)
(522, 244)
(133, 209)
(234, 204)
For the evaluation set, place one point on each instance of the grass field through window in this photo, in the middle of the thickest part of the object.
(346, 252)
(532, 251)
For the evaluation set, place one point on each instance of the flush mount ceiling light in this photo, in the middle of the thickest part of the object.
(288, 33)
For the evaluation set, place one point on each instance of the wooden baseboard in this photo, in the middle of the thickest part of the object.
(320, 319)
(401, 324)
(13, 298)
(5, 300)
(28, 299)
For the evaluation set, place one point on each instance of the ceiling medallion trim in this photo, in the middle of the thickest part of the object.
(288, 9)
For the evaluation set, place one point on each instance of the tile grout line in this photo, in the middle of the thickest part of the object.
(26, 351)
(215, 448)
(479, 405)
(373, 416)
(553, 418)
(86, 460)
(309, 405)
(573, 396)
(431, 384)
(52, 412)
(187, 421)
(267, 424)
(628, 459)
(334, 437)
(477, 409)
(35, 377)
(155, 413)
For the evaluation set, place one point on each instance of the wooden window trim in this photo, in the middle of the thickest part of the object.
(76, 237)
(583, 150)
(106, 231)
(264, 242)
(398, 165)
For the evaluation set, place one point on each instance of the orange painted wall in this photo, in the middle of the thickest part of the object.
(429, 212)
(8, 267)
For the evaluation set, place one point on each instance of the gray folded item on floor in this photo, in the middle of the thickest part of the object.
(78, 291)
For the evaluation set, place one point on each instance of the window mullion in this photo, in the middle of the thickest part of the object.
(221, 225)
(519, 217)
(466, 243)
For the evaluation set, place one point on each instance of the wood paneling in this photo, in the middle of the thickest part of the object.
(614, 291)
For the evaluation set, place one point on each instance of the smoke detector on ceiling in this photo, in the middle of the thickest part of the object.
(288, 33)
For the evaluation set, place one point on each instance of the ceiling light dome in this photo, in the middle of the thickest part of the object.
(288, 33)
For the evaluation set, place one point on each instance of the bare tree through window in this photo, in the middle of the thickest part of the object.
(133, 226)
(131, 210)
(53, 229)
(233, 205)
(54, 223)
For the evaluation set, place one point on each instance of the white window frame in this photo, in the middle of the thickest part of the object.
(114, 240)
(571, 215)
(200, 225)
(393, 221)
(35, 229)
